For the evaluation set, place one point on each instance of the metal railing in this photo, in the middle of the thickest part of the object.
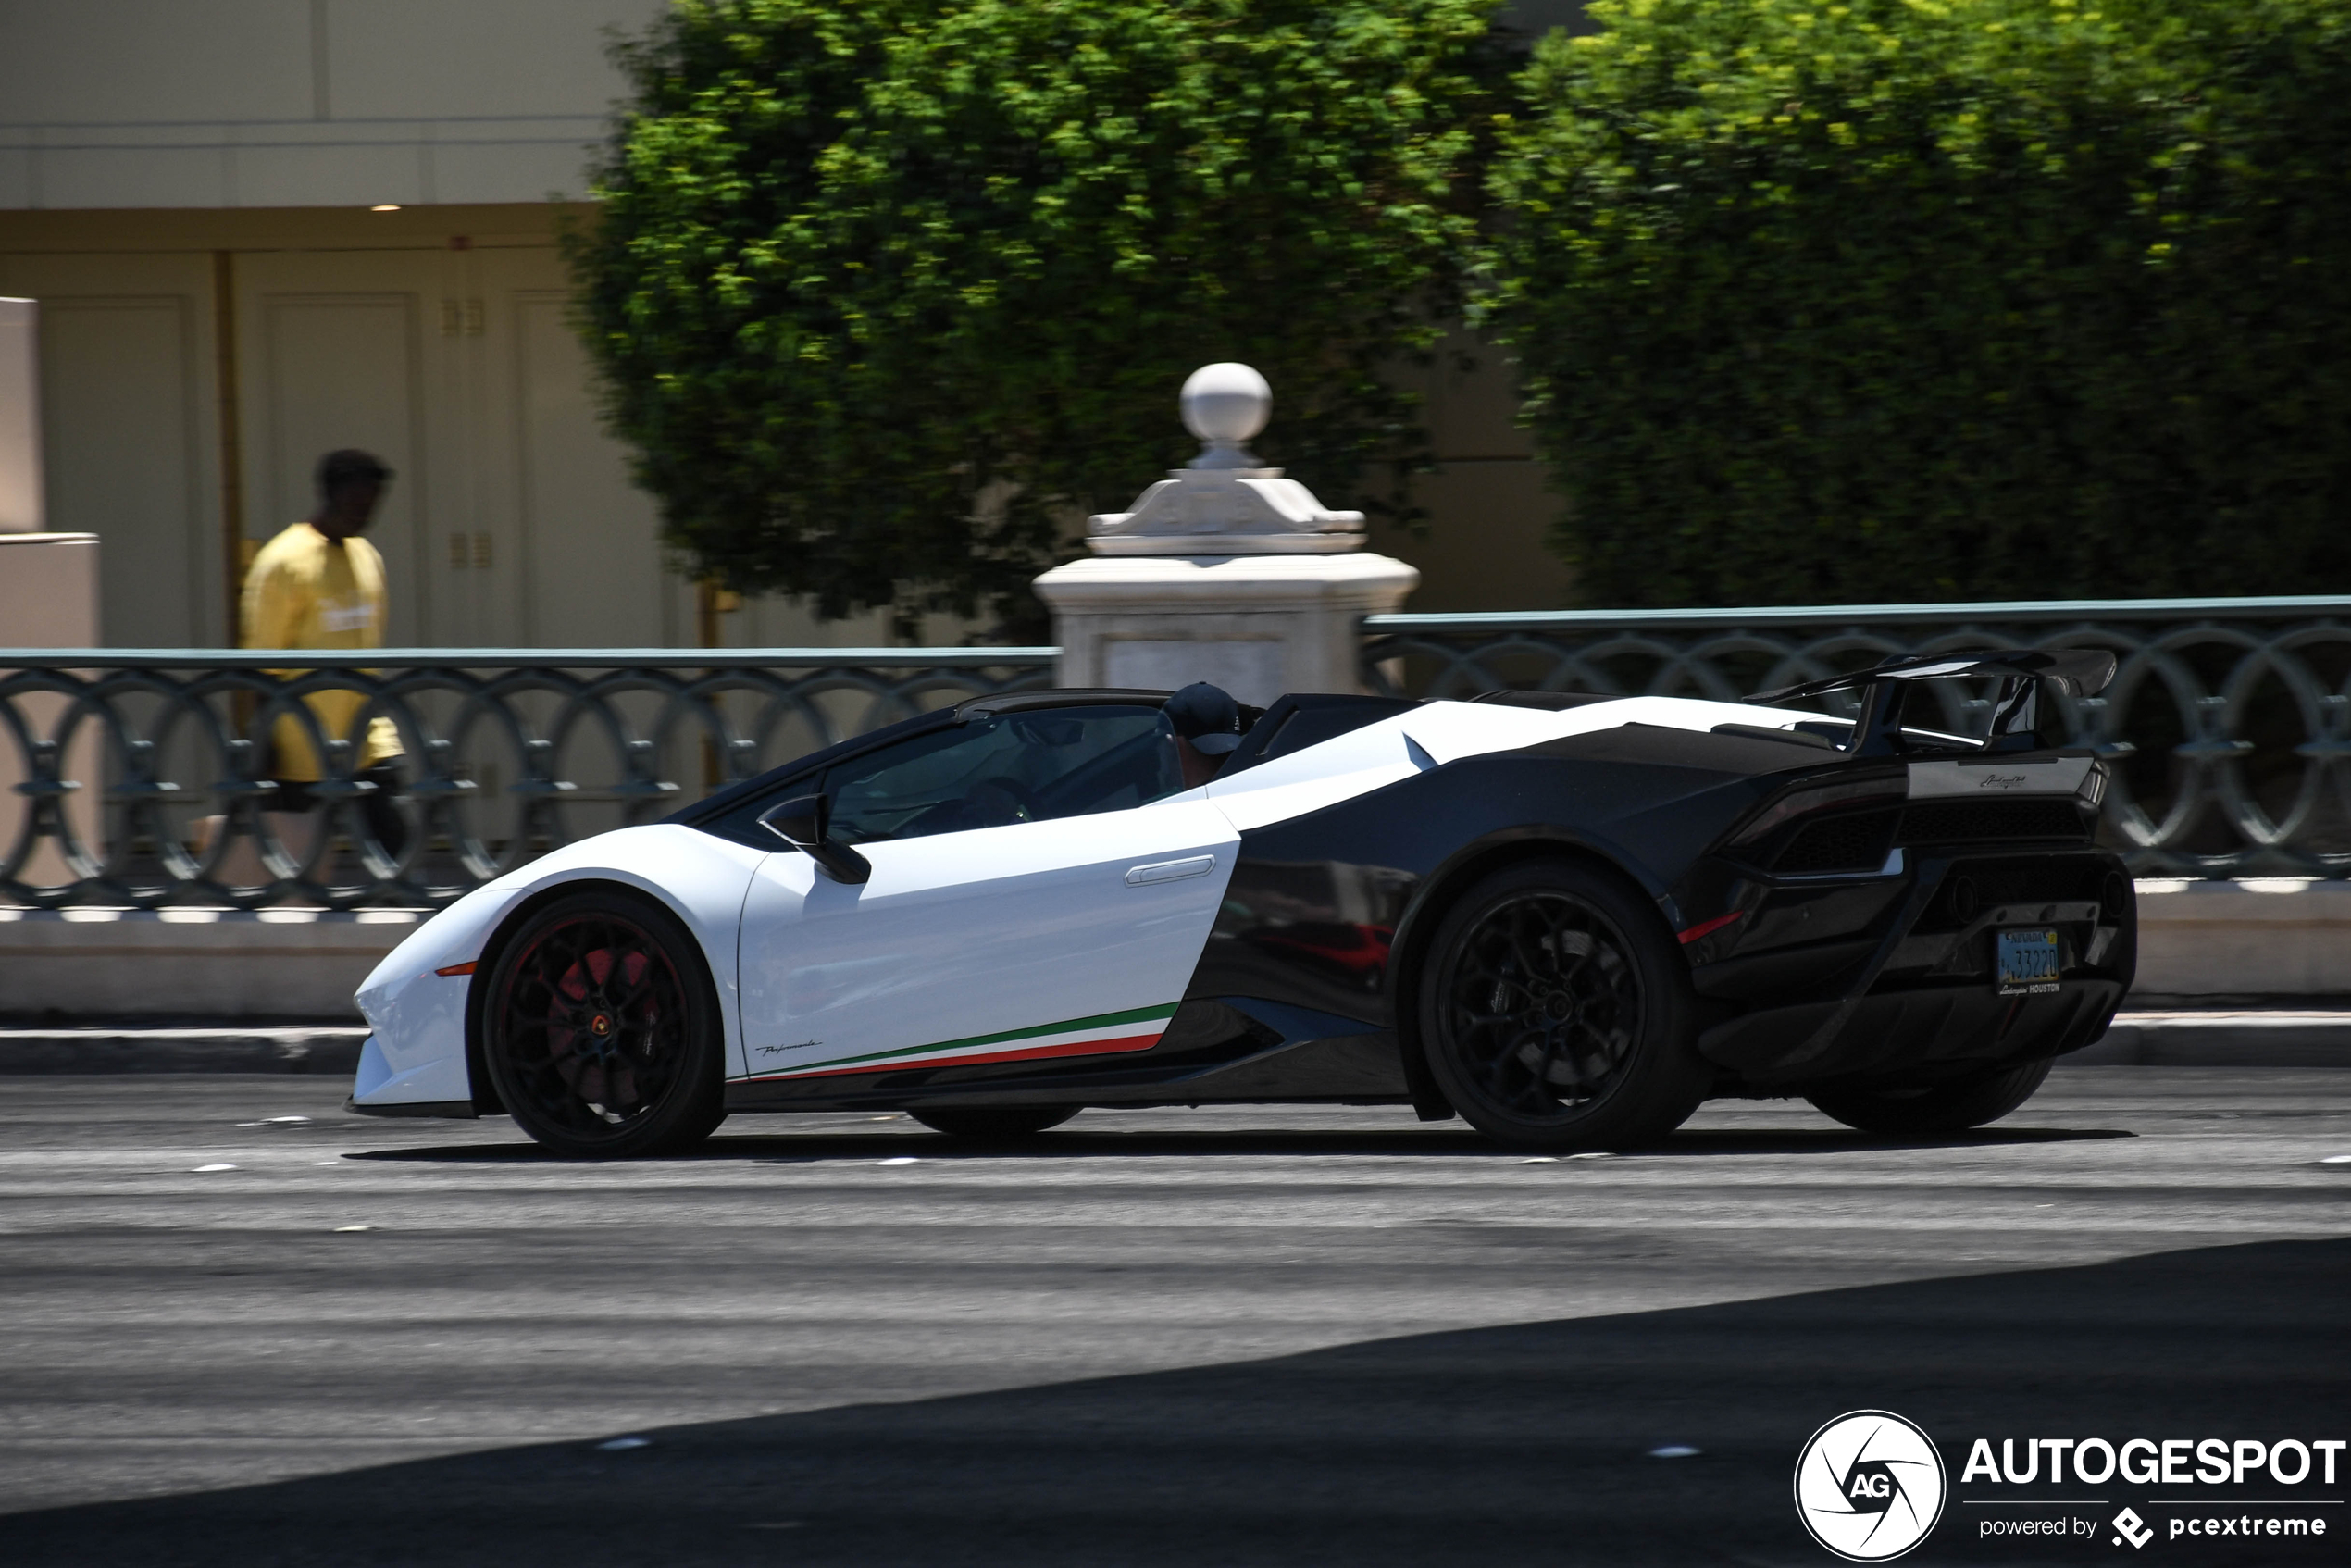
(146, 778)
(2227, 723)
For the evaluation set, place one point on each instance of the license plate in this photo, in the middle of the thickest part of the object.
(2028, 962)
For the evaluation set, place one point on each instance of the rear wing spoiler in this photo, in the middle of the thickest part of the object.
(2022, 672)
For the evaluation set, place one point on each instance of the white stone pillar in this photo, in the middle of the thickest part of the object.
(48, 581)
(1224, 571)
(48, 589)
(20, 503)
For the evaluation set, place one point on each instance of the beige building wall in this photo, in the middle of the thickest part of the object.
(1488, 503)
(187, 189)
(116, 104)
(437, 337)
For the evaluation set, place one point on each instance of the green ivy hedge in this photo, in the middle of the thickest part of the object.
(889, 292)
(1928, 299)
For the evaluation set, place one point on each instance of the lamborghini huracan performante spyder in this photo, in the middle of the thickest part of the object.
(1567, 918)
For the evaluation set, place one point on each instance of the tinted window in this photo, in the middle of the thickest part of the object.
(1003, 769)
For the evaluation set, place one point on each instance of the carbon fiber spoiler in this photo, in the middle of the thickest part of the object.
(2022, 672)
(2077, 672)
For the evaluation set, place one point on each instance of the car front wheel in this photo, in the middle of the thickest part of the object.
(601, 1032)
(1556, 1014)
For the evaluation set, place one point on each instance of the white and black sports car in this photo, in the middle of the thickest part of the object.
(1569, 919)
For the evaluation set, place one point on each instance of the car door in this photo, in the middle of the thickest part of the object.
(1040, 889)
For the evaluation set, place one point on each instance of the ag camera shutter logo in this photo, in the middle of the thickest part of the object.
(1869, 1486)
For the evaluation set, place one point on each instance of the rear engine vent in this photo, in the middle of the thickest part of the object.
(1857, 840)
(1958, 821)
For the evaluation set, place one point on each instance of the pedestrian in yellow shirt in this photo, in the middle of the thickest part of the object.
(319, 584)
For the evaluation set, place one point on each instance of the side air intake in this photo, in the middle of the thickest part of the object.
(1846, 841)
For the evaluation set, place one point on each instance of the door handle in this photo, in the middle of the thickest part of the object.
(1171, 870)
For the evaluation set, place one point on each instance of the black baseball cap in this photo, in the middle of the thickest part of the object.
(1207, 717)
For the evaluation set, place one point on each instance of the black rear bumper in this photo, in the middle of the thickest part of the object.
(1924, 1033)
(1890, 977)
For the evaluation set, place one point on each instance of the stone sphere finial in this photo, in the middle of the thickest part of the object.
(1225, 405)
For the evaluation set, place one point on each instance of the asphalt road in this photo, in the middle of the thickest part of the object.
(1268, 1336)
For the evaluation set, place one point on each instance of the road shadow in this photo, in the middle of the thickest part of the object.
(1529, 1444)
(1071, 1144)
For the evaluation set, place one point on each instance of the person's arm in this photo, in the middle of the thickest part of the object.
(380, 597)
(272, 607)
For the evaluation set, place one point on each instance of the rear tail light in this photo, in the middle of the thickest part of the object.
(1705, 929)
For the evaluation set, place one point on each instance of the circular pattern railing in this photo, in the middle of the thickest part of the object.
(2228, 725)
(142, 778)
(146, 778)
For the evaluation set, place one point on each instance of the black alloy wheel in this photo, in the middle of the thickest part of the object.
(1943, 1108)
(1556, 1012)
(601, 1032)
(994, 1124)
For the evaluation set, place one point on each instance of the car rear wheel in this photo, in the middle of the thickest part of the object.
(1556, 1014)
(1952, 1107)
(602, 1033)
(995, 1123)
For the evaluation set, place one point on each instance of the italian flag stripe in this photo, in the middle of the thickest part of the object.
(1028, 1053)
(1105, 1034)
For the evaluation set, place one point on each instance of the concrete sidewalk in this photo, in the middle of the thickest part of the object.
(2285, 941)
(2155, 1038)
(2247, 1037)
(194, 1047)
(158, 965)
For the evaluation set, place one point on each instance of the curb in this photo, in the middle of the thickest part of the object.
(239, 969)
(2249, 1038)
(2269, 1038)
(316, 1049)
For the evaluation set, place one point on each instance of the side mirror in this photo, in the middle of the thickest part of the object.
(804, 823)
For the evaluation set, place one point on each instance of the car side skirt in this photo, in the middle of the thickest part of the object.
(454, 1110)
(1209, 1050)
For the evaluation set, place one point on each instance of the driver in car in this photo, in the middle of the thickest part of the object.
(1208, 726)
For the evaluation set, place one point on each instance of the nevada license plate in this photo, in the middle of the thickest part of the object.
(2028, 962)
